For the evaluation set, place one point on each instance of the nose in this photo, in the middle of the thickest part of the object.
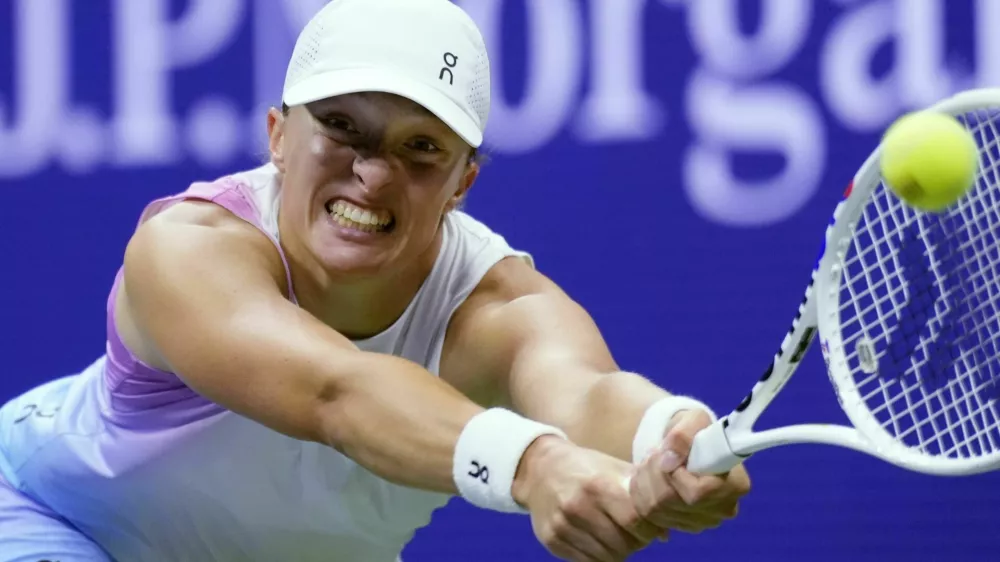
(372, 172)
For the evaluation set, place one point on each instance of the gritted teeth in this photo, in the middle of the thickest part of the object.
(350, 215)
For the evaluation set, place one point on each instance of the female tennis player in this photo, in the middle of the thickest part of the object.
(306, 359)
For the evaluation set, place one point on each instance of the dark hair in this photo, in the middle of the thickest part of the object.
(476, 156)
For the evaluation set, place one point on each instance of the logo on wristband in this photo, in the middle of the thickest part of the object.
(480, 472)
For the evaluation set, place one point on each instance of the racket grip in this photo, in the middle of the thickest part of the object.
(711, 453)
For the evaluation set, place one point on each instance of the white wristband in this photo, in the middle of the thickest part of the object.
(654, 423)
(488, 453)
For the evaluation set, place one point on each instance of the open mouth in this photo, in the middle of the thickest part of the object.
(353, 217)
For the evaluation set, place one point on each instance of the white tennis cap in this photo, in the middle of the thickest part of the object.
(429, 51)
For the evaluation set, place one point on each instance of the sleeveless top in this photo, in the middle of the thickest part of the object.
(152, 471)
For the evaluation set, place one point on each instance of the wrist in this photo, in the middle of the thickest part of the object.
(657, 419)
(491, 450)
(532, 465)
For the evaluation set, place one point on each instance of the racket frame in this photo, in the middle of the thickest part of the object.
(730, 440)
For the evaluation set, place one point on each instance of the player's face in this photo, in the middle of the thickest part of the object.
(366, 180)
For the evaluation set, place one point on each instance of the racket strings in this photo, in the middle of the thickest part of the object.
(966, 358)
(968, 320)
(919, 312)
(974, 407)
(952, 398)
(898, 422)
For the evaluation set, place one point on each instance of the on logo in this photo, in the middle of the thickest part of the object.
(450, 61)
(480, 472)
(37, 411)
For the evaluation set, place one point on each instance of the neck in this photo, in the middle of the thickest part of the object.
(359, 309)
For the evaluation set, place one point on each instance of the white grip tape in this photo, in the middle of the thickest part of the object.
(488, 453)
(654, 423)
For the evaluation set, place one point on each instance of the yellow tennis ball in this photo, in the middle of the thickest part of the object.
(929, 160)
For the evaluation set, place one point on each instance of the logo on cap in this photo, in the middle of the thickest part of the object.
(450, 61)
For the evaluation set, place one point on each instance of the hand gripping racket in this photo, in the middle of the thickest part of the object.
(905, 304)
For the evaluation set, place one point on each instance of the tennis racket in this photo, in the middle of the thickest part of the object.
(905, 305)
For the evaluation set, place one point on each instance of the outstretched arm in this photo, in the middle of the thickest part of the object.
(552, 365)
(204, 292)
(549, 360)
(204, 297)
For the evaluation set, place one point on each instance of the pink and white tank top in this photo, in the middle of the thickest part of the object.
(153, 471)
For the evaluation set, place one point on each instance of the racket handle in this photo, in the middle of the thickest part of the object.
(711, 453)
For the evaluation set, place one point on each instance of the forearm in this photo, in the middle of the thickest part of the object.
(608, 413)
(598, 410)
(203, 298)
(277, 365)
(397, 420)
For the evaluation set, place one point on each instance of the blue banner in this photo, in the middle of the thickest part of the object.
(671, 163)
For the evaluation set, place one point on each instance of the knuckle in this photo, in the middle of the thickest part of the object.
(679, 438)
(594, 487)
(560, 528)
(631, 520)
(691, 497)
(548, 537)
(643, 509)
(572, 507)
(739, 480)
(743, 487)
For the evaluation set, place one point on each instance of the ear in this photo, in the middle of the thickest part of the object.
(468, 179)
(276, 137)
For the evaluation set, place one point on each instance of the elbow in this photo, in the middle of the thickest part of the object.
(330, 418)
(343, 410)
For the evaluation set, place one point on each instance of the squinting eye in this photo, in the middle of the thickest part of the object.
(422, 145)
(340, 125)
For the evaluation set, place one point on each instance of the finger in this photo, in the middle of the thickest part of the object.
(697, 490)
(655, 501)
(662, 493)
(635, 530)
(681, 434)
(693, 523)
(672, 519)
(733, 484)
(649, 489)
(601, 520)
(739, 480)
(586, 544)
(567, 551)
(661, 490)
(642, 531)
(667, 516)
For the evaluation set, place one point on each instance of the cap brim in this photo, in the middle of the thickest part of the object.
(350, 81)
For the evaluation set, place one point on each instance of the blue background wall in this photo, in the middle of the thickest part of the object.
(669, 162)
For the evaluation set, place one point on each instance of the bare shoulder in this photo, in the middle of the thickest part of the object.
(174, 251)
(194, 231)
(198, 213)
(510, 279)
